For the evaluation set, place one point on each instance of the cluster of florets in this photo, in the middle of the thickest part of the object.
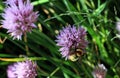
(19, 17)
(24, 69)
(71, 38)
(99, 71)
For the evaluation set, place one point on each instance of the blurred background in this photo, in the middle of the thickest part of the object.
(98, 17)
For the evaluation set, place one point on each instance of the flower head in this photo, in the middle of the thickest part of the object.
(70, 39)
(99, 71)
(118, 26)
(19, 17)
(25, 69)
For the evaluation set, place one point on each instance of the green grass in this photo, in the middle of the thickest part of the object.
(96, 16)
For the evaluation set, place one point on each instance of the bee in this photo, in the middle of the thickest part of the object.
(74, 56)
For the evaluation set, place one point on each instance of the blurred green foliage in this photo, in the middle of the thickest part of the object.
(97, 16)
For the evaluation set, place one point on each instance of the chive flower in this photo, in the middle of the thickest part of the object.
(71, 38)
(18, 17)
(118, 26)
(24, 69)
(99, 71)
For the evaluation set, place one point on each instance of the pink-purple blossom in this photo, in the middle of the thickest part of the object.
(24, 69)
(118, 26)
(19, 17)
(99, 71)
(71, 38)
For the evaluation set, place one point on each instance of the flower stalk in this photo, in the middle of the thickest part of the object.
(26, 45)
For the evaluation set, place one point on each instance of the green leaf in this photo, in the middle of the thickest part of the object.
(100, 9)
(39, 2)
(1, 46)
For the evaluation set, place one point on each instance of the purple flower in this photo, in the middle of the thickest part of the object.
(70, 39)
(118, 26)
(99, 71)
(19, 17)
(25, 69)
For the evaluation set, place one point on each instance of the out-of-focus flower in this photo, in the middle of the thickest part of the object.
(118, 26)
(72, 41)
(25, 69)
(99, 71)
(19, 17)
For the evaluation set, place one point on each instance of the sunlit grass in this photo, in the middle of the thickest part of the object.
(96, 16)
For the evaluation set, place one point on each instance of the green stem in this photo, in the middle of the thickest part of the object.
(21, 59)
(85, 70)
(26, 46)
(117, 63)
(54, 71)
